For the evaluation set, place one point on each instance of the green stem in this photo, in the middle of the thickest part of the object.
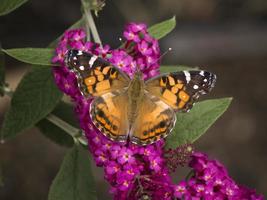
(71, 130)
(189, 175)
(87, 26)
(90, 24)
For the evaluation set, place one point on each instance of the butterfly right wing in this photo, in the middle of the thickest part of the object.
(155, 121)
(180, 90)
(95, 75)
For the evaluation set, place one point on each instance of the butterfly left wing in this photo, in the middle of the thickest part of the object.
(181, 89)
(95, 75)
(154, 121)
(109, 114)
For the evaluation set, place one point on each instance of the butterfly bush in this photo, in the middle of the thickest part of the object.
(141, 172)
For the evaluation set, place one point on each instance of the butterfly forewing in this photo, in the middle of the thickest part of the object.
(181, 89)
(95, 75)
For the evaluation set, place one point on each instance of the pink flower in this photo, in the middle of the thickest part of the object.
(155, 163)
(125, 156)
(112, 168)
(144, 48)
(100, 158)
(130, 35)
(115, 151)
(180, 190)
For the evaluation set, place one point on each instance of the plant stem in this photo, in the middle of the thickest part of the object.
(72, 131)
(88, 35)
(189, 175)
(90, 24)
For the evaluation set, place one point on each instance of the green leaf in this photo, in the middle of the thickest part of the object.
(65, 112)
(7, 6)
(161, 29)
(2, 73)
(175, 68)
(36, 56)
(190, 126)
(35, 97)
(74, 180)
(78, 24)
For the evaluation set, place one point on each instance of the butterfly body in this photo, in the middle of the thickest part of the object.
(135, 92)
(135, 110)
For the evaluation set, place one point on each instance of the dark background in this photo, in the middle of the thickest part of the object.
(226, 37)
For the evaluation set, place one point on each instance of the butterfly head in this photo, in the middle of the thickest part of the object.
(138, 75)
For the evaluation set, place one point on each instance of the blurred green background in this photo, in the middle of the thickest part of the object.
(226, 37)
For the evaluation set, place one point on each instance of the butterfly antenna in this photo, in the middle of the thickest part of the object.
(138, 68)
(120, 39)
(169, 49)
(162, 55)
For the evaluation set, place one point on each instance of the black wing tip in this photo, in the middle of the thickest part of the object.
(213, 80)
(72, 53)
(209, 78)
(69, 54)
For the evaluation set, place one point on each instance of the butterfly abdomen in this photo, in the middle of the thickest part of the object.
(135, 95)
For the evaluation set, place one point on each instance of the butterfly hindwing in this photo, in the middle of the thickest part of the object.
(95, 75)
(181, 89)
(154, 121)
(109, 114)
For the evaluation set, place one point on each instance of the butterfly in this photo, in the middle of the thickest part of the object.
(135, 110)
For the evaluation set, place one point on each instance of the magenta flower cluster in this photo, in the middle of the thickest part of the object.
(136, 172)
(209, 181)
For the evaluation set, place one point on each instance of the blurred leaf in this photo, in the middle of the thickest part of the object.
(38, 57)
(78, 24)
(7, 6)
(65, 112)
(74, 180)
(190, 126)
(1, 177)
(2, 72)
(161, 29)
(175, 68)
(2, 67)
(35, 97)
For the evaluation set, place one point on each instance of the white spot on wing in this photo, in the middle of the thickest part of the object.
(81, 67)
(205, 80)
(187, 76)
(201, 73)
(92, 60)
(195, 87)
(79, 53)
